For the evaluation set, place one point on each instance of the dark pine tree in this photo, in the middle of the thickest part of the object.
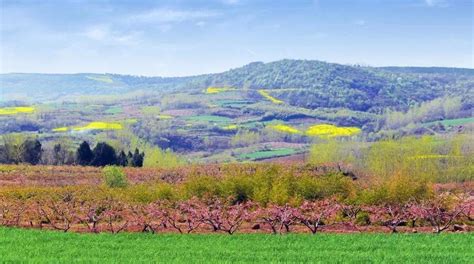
(122, 159)
(104, 155)
(130, 158)
(31, 151)
(137, 160)
(58, 158)
(84, 154)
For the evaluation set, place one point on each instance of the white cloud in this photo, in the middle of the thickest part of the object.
(166, 15)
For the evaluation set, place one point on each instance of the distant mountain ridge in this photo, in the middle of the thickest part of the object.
(315, 83)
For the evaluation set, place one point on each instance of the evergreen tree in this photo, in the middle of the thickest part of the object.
(84, 154)
(3, 155)
(129, 158)
(122, 159)
(137, 160)
(104, 154)
(31, 151)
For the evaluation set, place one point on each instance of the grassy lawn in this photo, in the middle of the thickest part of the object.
(48, 246)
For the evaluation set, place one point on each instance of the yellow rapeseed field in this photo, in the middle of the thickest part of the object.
(230, 127)
(60, 129)
(326, 130)
(285, 128)
(100, 126)
(269, 97)
(16, 110)
(165, 116)
(215, 90)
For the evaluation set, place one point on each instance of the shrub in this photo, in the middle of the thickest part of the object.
(314, 188)
(114, 177)
(397, 189)
(363, 219)
(239, 188)
(146, 193)
(201, 187)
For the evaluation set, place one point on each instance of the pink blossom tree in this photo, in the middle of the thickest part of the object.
(116, 215)
(227, 218)
(443, 211)
(314, 214)
(91, 213)
(149, 217)
(278, 217)
(390, 215)
(60, 214)
(186, 216)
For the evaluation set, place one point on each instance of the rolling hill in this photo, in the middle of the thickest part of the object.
(302, 83)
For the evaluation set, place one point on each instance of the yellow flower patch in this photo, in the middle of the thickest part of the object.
(269, 97)
(165, 116)
(285, 128)
(326, 130)
(100, 126)
(230, 127)
(215, 90)
(16, 110)
(60, 129)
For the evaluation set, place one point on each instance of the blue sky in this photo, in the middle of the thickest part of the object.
(176, 38)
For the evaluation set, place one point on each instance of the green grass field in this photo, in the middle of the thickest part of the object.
(209, 118)
(114, 110)
(453, 122)
(18, 245)
(265, 154)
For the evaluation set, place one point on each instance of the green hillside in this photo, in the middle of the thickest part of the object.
(303, 83)
(231, 116)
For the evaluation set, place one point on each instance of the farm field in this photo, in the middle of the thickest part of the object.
(265, 154)
(18, 245)
(453, 122)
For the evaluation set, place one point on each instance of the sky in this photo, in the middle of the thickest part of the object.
(179, 38)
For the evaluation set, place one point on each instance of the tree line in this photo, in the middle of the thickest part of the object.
(15, 150)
